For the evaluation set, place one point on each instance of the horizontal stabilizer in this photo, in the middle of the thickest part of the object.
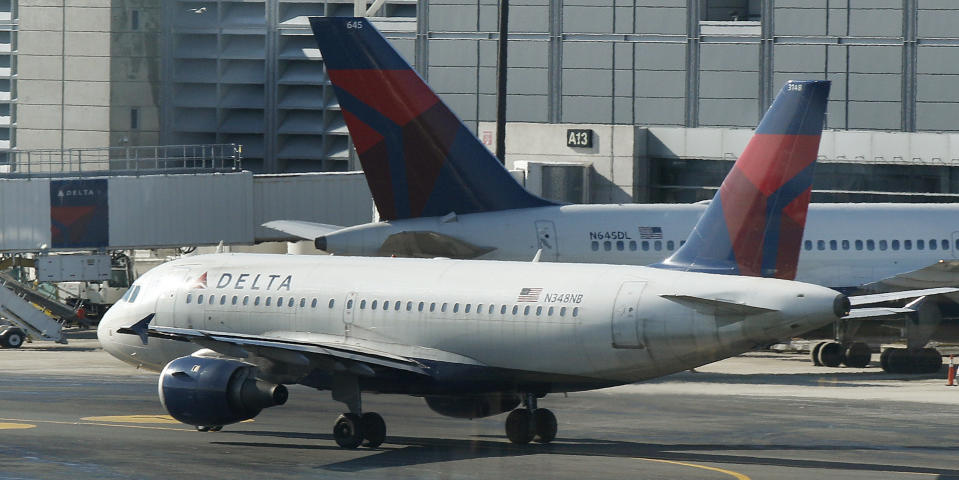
(876, 313)
(429, 245)
(301, 229)
(717, 306)
(891, 296)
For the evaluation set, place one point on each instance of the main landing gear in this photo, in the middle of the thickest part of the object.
(892, 360)
(356, 427)
(524, 425)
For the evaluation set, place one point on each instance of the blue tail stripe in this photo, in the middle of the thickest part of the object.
(774, 215)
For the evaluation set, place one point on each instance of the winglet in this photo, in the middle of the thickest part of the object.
(420, 160)
(754, 224)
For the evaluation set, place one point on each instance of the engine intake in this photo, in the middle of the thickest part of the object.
(213, 391)
(473, 406)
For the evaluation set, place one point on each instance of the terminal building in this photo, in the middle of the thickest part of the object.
(666, 89)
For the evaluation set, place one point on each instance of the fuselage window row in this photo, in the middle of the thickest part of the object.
(883, 245)
(632, 245)
(386, 304)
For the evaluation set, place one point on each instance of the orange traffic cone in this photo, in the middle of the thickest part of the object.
(951, 376)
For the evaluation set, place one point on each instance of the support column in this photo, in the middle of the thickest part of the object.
(909, 52)
(693, 16)
(767, 24)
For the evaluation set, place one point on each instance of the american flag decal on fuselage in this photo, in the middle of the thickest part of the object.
(651, 233)
(529, 295)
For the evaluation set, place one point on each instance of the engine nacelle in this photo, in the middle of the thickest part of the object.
(206, 391)
(473, 406)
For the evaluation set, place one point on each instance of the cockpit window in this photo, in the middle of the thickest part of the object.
(133, 296)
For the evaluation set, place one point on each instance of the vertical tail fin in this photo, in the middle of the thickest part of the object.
(754, 224)
(420, 160)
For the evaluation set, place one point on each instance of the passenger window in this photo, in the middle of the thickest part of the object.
(362, 304)
(372, 305)
(467, 309)
(386, 305)
(479, 308)
(433, 307)
(349, 303)
(658, 245)
(645, 245)
(443, 308)
(562, 312)
(620, 245)
(456, 308)
(845, 244)
(210, 300)
(246, 300)
(670, 245)
(607, 245)
(895, 244)
(420, 307)
(189, 297)
(303, 302)
(945, 244)
(539, 311)
(234, 300)
(279, 301)
(293, 301)
(314, 302)
(575, 311)
(550, 312)
(222, 299)
(858, 244)
(256, 301)
(594, 245)
(921, 244)
(933, 244)
(396, 305)
(526, 310)
(409, 306)
(807, 244)
(870, 245)
(632, 245)
(820, 244)
(268, 300)
(907, 244)
(833, 245)
(882, 245)
(502, 310)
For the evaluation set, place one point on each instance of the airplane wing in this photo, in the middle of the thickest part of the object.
(944, 273)
(302, 229)
(899, 295)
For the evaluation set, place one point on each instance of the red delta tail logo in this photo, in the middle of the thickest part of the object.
(754, 225)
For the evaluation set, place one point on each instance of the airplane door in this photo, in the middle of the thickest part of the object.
(166, 306)
(348, 308)
(625, 322)
(547, 241)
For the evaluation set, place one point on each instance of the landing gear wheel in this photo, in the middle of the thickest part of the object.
(202, 428)
(857, 355)
(216, 428)
(347, 431)
(12, 338)
(519, 426)
(830, 354)
(814, 354)
(374, 429)
(544, 423)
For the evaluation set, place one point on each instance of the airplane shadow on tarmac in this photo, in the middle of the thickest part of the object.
(409, 451)
(832, 377)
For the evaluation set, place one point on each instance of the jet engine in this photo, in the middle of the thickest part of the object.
(473, 406)
(214, 391)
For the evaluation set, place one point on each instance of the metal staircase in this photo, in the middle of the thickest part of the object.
(38, 313)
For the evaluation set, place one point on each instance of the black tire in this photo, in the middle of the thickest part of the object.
(931, 360)
(884, 360)
(202, 428)
(347, 431)
(12, 338)
(544, 425)
(830, 354)
(374, 429)
(216, 428)
(857, 355)
(814, 354)
(519, 426)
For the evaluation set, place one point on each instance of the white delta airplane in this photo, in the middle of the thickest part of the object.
(478, 338)
(441, 193)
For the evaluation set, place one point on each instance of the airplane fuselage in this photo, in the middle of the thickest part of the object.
(845, 245)
(478, 326)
